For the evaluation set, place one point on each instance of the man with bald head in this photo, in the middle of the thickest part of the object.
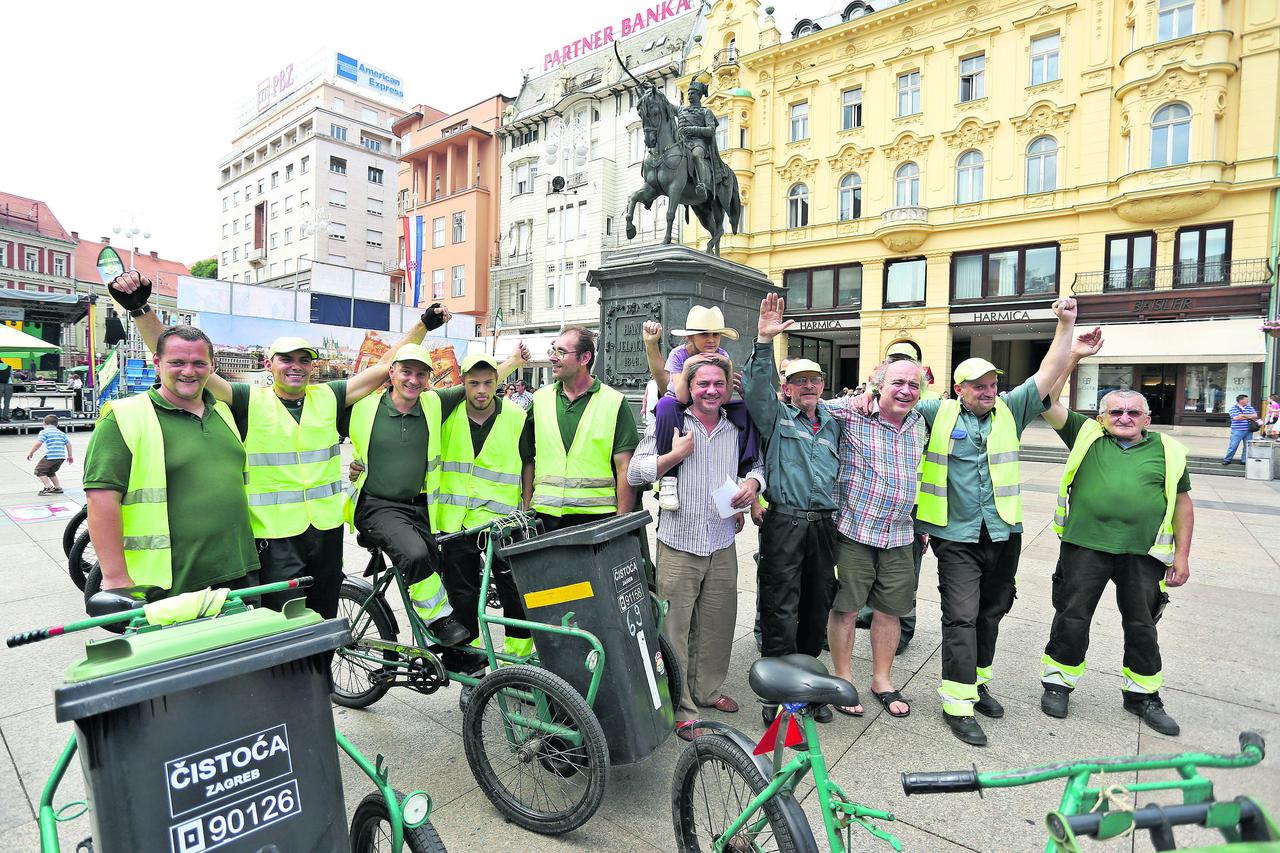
(1124, 515)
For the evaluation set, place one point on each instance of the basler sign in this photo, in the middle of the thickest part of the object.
(628, 26)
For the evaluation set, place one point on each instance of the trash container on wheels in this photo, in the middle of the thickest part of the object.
(1257, 463)
(596, 570)
(216, 734)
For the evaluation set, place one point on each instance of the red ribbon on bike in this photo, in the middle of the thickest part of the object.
(769, 742)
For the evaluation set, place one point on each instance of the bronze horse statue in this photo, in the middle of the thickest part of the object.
(668, 170)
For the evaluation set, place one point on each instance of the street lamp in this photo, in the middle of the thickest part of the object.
(130, 233)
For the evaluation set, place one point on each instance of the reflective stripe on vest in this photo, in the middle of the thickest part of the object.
(1002, 461)
(360, 430)
(429, 598)
(144, 509)
(292, 489)
(580, 481)
(1175, 464)
(474, 490)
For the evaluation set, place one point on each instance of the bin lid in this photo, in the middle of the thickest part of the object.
(193, 655)
(594, 533)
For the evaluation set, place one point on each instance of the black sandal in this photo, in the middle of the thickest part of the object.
(888, 697)
(840, 709)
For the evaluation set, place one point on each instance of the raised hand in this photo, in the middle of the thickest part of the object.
(131, 290)
(1087, 343)
(523, 353)
(1065, 309)
(651, 331)
(771, 323)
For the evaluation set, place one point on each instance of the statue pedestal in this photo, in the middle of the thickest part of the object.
(661, 283)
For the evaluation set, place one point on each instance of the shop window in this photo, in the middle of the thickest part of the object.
(1001, 273)
(1203, 256)
(814, 349)
(904, 282)
(1171, 136)
(824, 287)
(1130, 261)
(1211, 389)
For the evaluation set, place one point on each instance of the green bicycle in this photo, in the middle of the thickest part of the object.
(720, 799)
(1104, 812)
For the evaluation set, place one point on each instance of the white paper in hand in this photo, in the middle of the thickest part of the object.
(723, 495)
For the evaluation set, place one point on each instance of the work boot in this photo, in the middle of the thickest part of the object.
(823, 714)
(1149, 707)
(449, 631)
(966, 728)
(1054, 702)
(987, 704)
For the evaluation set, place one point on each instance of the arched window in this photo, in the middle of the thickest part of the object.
(850, 196)
(969, 169)
(1042, 165)
(906, 185)
(1170, 136)
(798, 206)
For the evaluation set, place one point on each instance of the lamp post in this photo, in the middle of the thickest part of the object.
(131, 233)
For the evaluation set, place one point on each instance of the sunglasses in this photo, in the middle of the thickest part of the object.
(1133, 413)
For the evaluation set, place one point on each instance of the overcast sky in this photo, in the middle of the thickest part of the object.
(126, 108)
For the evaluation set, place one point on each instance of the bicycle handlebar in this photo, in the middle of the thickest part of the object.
(940, 782)
(1148, 817)
(519, 518)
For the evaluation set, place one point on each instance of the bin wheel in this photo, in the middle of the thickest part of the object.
(371, 829)
(72, 530)
(353, 684)
(81, 559)
(542, 783)
(715, 781)
(675, 675)
(92, 586)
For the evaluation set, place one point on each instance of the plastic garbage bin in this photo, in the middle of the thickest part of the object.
(1258, 464)
(216, 734)
(596, 571)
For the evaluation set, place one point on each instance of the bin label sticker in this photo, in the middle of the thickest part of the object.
(648, 672)
(558, 595)
(233, 821)
(218, 772)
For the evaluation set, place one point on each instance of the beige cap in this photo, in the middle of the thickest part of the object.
(801, 365)
(975, 368)
(903, 348)
(703, 320)
(282, 345)
(478, 358)
(413, 352)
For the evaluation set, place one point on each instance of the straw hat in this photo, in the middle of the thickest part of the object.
(703, 320)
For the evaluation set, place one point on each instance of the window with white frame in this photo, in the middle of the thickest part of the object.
(1175, 19)
(551, 292)
(582, 288)
(371, 266)
(288, 172)
(224, 202)
(275, 239)
(261, 183)
(235, 198)
(460, 227)
(851, 108)
(288, 206)
(569, 221)
(373, 238)
(850, 196)
(288, 236)
(288, 265)
(337, 198)
(520, 179)
(304, 197)
(235, 254)
(969, 173)
(59, 265)
(235, 225)
(798, 206)
(1044, 58)
(339, 105)
(973, 72)
(459, 281)
(248, 221)
(799, 121)
(367, 115)
(1042, 165)
(306, 164)
(224, 259)
(437, 284)
(582, 220)
(275, 209)
(224, 230)
(272, 270)
(906, 185)
(373, 206)
(371, 143)
(338, 132)
(909, 93)
(338, 230)
(722, 132)
(1171, 136)
(553, 227)
(437, 232)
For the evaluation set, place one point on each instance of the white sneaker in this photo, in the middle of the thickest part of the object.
(667, 498)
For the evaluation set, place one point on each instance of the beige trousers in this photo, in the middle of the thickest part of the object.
(703, 596)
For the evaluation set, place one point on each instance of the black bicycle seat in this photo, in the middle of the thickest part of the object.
(798, 678)
(110, 601)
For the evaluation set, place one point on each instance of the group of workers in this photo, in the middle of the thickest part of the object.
(202, 482)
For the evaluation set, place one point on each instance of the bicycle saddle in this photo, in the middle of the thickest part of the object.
(798, 678)
(109, 601)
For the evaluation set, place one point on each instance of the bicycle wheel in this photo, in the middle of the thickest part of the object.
(81, 559)
(541, 782)
(675, 675)
(714, 782)
(72, 530)
(371, 829)
(353, 684)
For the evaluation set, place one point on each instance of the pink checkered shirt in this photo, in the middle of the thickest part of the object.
(876, 486)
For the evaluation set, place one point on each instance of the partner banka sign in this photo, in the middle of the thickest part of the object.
(628, 26)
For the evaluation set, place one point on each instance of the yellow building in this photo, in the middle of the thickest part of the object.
(940, 170)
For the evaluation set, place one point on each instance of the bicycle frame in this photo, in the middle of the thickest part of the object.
(838, 812)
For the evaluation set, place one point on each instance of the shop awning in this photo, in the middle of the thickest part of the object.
(16, 344)
(1186, 342)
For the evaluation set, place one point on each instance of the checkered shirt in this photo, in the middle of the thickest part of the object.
(876, 486)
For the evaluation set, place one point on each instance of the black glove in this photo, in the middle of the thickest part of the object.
(132, 301)
(431, 319)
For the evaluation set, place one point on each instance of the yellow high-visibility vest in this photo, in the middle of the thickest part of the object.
(362, 415)
(474, 489)
(1002, 459)
(144, 509)
(1175, 464)
(580, 481)
(293, 468)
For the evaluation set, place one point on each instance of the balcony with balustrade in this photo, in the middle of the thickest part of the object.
(904, 229)
(1214, 287)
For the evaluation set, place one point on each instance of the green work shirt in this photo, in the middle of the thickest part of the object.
(240, 392)
(480, 431)
(971, 500)
(800, 465)
(204, 469)
(569, 415)
(397, 462)
(1117, 496)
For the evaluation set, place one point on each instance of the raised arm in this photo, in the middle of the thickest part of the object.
(519, 356)
(1056, 359)
(759, 376)
(1085, 345)
(652, 333)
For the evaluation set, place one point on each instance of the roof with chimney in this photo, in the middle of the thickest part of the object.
(160, 270)
(30, 216)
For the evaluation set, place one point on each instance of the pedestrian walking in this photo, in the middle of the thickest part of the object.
(57, 449)
(1244, 422)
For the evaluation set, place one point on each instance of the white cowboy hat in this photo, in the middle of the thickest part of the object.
(703, 320)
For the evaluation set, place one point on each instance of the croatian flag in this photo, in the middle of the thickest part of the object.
(413, 253)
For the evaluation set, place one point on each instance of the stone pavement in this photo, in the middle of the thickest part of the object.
(1219, 637)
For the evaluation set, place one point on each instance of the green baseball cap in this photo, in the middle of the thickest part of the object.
(975, 368)
(477, 359)
(287, 344)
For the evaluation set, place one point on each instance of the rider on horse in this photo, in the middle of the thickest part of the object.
(697, 128)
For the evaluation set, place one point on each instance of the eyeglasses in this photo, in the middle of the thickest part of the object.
(563, 352)
(1133, 413)
(806, 382)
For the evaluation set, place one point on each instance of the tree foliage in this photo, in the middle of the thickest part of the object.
(208, 268)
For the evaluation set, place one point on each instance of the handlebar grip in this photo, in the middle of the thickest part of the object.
(942, 782)
(1253, 739)
(27, 637)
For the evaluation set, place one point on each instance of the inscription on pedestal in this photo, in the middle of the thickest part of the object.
(624, 336)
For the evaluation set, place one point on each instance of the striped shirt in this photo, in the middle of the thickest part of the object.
(55, 443)
(876, 486)
(696, 528)
(1241, 410)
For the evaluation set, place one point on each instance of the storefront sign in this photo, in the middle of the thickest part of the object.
(368, 77)
(13, 314)
(825, 324)
(1007, 315)
(629, 25)
(1152, 306)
